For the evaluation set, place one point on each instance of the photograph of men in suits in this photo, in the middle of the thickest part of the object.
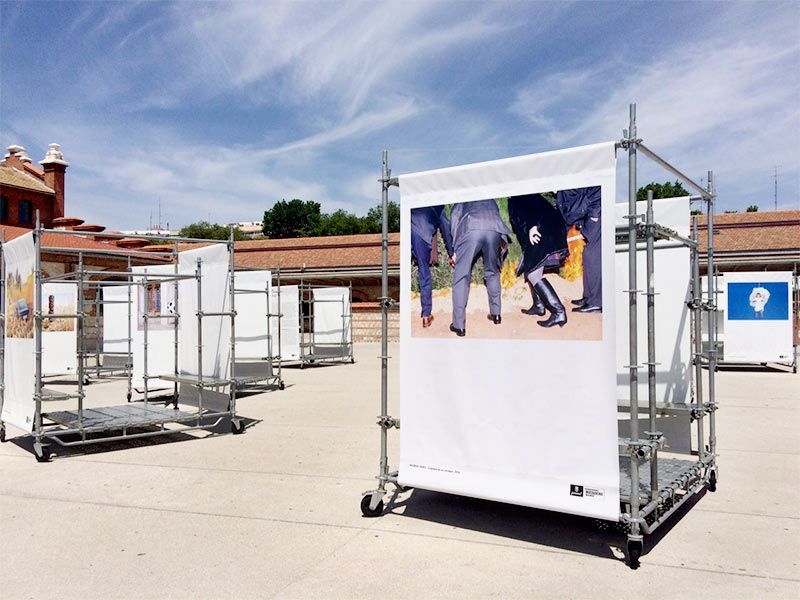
(478, 231)
(581, 207)
(425, 222)
(542, 234)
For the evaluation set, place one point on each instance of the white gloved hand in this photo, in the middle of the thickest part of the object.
(534, 236)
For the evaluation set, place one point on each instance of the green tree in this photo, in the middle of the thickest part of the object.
(339, 223)
(373, 221)
(752, 208)
(662, 190)
(296, 218)
(211, 231)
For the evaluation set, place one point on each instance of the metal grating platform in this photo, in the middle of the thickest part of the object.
(119, 417)
(670, 470)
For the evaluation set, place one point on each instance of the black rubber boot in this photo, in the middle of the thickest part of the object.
(537, 308)
(551, 300)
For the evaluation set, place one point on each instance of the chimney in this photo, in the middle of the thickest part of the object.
(54, 167)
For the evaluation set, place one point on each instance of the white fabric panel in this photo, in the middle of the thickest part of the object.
(252, 339)
(59, 336)
(672, 273)
(160, 332)
(332, 316)
(215, 298)
(516, 420)
(20, 363)
(752, 339)
(287, 304)
(115, 318)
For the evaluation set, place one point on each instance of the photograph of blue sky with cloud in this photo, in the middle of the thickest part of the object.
(222, 109)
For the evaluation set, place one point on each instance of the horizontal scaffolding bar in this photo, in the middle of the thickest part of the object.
(121, 252)
(686, 179)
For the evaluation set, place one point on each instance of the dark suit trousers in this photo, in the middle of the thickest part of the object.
(468, 247)
(592, 263)
(421, 250)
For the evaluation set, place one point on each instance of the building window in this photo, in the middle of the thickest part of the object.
(25, 212)
(3, 209)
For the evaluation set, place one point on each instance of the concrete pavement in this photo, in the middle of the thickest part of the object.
(274, 512)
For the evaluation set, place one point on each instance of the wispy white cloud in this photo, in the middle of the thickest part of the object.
(726, 103)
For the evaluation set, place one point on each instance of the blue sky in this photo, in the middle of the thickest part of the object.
(221, 109)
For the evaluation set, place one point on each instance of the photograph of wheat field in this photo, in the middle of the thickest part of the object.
(19, 304)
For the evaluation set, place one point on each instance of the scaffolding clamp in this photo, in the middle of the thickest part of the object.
(388, 302)
(643, 450)
(387, 422)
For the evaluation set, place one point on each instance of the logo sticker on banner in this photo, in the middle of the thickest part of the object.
(507, 393)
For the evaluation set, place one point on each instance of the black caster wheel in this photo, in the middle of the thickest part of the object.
(371, 512)
(129, 396)
(712, 481)
(237, 426)
(635, 548)
(2, 434)
(42, 452)
(281, 386)
(352, 361)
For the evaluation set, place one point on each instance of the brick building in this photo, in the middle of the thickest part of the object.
(24, 188)
(334, 260)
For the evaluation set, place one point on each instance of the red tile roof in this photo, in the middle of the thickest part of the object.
(64, 240)
(14, 177)
(756, 231)
(312, 253)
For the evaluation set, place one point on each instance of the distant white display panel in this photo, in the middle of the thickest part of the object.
(512, 410)
(758, 317)
(672, 280)
(252, 307)
(155, 298)
(287, 304)
(332, 316)
(115, 317)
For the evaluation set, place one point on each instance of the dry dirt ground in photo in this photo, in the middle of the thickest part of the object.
(515, 325)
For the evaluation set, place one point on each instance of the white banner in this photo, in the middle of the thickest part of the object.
(252, 308)
(19, 364)
(59, 336)
(513, 410)
(156, 299)
(673, 322)
(757, 317)
(215, 299)
(288, 304)
(332, 316)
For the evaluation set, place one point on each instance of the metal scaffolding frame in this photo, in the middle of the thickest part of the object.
(127, 421)
(311, 351)
(671, 482)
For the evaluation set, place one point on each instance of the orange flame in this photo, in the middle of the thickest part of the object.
(572, 268)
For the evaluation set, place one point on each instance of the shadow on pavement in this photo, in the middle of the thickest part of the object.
(571, 533)
(25, 442)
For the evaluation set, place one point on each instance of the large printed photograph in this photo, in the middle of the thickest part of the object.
(19, 298)
(157, 301)
(758, 301)
(523, 267)
(58, 300)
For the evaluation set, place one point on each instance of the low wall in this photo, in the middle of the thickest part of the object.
(367, 322)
